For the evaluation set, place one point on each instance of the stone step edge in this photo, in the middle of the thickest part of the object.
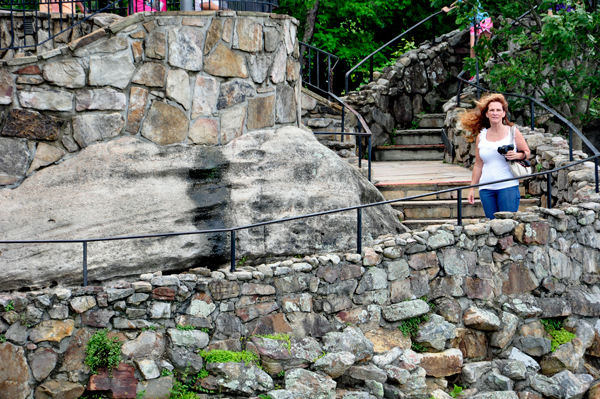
(406, 132)
(419, 184)
(411, 147)
(439, 203)
(439, 222)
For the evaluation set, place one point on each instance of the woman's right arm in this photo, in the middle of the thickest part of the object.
(477, 168)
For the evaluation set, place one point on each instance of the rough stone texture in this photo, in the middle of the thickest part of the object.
(205, 96)
(240, 378)
(335, 364)
(225, 63)
(68, 73)
(138, 101)
(6, 88)
(14, 160)
(304, 384)
(32, 125)
(234, 92)
(185, 48)
(480, 319)
(248, 35)
(351, 340)
(46, 99)
(102, 99)
(178, 87)
(59, 389)
(232, 123)
(14, 372)
(165, 124)
(102, 70)
(52, 330)
(151, 74)
(285, 104)
(90, 128)
(405, 310)
(442, 364)
(204, 131)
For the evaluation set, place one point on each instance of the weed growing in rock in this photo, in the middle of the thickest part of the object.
(263, 396)
(102, 351)
(456, 391)
(281, 374)
(2, 338)
(10, 307)
(225, 356)
(140, 394)
(559, 335)
(242, 261)
(417, 347)
(322, 355)
(153, 328)
(166, 372)
(186, 389)
(202, 374)
(538, 167)
(281, 337)
(411, 326)
(204, 330)
(185, 328)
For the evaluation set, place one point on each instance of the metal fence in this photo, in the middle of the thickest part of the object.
(29, 18)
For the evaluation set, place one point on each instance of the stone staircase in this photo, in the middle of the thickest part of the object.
(423, 143)
(414, 166)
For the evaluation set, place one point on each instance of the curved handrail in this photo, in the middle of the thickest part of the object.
(358, 208)
(384, 46)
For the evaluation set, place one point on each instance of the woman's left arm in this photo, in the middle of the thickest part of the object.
(521, 145)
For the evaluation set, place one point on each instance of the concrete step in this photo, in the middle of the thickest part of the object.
(431, 120)
(420, 224)
(448, 209)
(418, 137)
(403, 190)
(426, 152)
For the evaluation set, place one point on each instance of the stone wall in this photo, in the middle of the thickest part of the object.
(548, 151)
(416, 84)
(485, 288)
(195, 78)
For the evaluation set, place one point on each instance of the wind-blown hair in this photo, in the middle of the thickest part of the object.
(475, 119)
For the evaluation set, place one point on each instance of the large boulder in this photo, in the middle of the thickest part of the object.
(130, 186)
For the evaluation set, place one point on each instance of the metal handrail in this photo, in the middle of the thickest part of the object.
(317, 64)
(358, 208)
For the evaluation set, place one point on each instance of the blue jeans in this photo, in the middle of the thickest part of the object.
(504, 200)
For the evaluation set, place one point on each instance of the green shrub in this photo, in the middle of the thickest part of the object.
(102, 351)
(456, 391)
(2, 338)
(411, 326)
(184, 328)
(559, 335)
(281, 337)
(225, 356)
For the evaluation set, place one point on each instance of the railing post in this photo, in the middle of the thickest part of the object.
(309, 68)
(459, 207)
(85, 271)
(232, 251)
(571, 145)
(596, 172)
(532, 111)
(549, 190)
(359, 138)
(329, 88)
(458, 93)
(359, 231)
(369, 157)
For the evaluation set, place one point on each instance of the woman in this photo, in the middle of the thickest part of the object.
(488, 120)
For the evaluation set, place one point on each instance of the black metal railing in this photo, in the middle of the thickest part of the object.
(358, 208)
(316, 68)
(45, 15)
(311, 71)
(447, 143)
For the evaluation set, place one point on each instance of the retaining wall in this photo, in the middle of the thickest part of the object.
(190, 78)
(485, 287)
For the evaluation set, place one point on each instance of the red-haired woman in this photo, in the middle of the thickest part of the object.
(488, 121)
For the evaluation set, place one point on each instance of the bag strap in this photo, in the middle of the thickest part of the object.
(512, 137)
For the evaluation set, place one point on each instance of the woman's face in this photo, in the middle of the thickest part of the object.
(495, 113)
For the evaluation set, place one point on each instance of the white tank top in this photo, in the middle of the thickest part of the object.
(495, 166)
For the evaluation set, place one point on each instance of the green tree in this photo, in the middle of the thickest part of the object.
(352, 29)
(555, 58)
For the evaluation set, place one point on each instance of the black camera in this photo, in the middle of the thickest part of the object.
(503, 149)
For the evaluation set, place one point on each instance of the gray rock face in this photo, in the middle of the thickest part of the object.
(14, 160)
(172, 192)
(304, 384)
(102, 70)
(436, 332)
(185, 48)
(89, 128)
(405, 310)
(241, 378)
(351, 340)
(68, 73)
(335, 364)
(547, 386)
(46, 99)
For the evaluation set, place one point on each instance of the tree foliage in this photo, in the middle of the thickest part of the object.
(353, 29)
(555, 58)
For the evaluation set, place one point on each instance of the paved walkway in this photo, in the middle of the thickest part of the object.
(418, 172)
